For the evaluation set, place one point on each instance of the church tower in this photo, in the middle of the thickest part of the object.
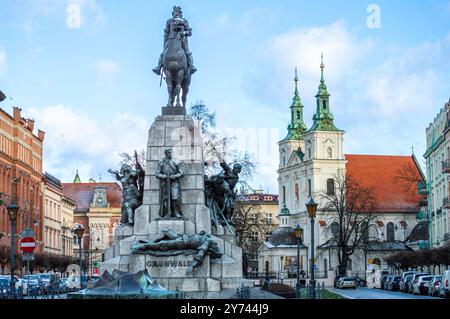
(291, 148)
(294, 139)
(324, 154)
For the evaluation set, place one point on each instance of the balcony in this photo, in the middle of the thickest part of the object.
(446, 166)
(423, 189)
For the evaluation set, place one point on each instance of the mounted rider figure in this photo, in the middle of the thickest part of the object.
(178, 24)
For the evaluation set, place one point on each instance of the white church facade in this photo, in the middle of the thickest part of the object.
(310, 162)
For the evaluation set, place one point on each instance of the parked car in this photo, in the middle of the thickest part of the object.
(394, 284)
(407, 286)
(17, 281)
(403, 279)
(387, 281)
(415, 279)
(360, 282)
(433, 287)
(35, 284)
(51, 282)
(445, 289)
(347, 282)
(336, 279)
(420, 285)
(383, 280)
(4, 285)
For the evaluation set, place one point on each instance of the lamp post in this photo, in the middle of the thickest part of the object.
(79, 231)
(311, 207)
(13, 209)
(298, 235)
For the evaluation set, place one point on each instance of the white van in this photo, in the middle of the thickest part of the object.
(445, 290)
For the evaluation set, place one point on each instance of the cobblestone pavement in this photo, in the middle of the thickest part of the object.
(368, 293)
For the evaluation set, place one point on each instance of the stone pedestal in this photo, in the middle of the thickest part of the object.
(179, 133)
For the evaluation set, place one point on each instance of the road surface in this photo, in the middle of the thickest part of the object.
(369, 293)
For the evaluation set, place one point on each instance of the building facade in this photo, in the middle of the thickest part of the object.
(20, 175)
(52, 214)
(437, 158)
(98, 209)
(68, 207)
(264, 213)
(311, 163)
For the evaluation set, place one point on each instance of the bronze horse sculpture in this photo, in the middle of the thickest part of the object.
(176, 67)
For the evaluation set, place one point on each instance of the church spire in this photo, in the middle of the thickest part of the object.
(323, 119)
(297, 125)
(77, 178)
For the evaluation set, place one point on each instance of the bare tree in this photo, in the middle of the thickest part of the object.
(213, 143)
(354, 218)
(408, 177)
(249, 220)
(133, 159)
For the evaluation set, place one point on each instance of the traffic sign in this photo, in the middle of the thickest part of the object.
(27, 245)
(27, 257)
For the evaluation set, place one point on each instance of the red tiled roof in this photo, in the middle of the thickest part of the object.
(83, 193)
(379, 172)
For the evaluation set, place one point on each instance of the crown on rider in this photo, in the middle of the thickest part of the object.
(177, 11)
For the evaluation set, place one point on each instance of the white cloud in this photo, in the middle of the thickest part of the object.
(302, 48)
(76, 140)
(2, 61)
(106, 68)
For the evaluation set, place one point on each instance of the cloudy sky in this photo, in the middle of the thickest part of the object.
(88, 81)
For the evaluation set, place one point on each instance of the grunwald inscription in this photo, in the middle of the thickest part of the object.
(169, 263)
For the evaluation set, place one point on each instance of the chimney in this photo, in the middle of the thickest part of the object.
(17, 113)
(41, 135)
(30, 124)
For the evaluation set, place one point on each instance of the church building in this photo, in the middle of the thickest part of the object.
(311, 160)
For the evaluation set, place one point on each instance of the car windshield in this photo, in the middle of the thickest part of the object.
(349, 279)
(397, 278)
(427, 278)
(31, 277)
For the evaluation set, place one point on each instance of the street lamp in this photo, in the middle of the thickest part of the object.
(298, 231)
(311, 207)
(12, 209)
(78, 230)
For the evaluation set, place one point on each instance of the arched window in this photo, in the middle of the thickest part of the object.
(298, 115)
(390, 232)
(309, 153)
(324, 104)
(329, 152)
(284, 195)
(297, 193)
(330, 187)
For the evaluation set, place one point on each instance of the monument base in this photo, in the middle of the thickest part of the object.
(175, 130)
